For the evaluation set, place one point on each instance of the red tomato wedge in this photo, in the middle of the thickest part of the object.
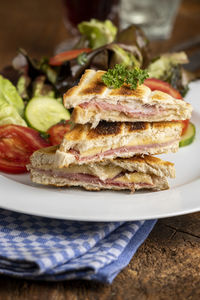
(17, 143)
(157, 84)
(58, 59)
(58, 131)
(185, 124)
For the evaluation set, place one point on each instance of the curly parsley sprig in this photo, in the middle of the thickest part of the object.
(120, 74)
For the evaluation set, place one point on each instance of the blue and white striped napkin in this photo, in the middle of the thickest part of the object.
(50, 249)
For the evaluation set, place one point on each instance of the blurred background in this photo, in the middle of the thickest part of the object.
(38, 27)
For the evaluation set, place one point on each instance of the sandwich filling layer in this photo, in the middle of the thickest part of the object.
(130, 181)
(95, 111)
(132, 111)
(144, 149)
(64, 159)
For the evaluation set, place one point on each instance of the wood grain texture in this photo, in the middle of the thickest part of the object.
(167, 265)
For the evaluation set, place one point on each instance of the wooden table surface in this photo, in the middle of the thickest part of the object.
(167, 265)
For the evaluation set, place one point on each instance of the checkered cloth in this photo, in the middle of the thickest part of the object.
(50, 249)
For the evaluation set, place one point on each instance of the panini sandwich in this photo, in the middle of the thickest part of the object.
(84, 144)
(93, 101)
(119, 174)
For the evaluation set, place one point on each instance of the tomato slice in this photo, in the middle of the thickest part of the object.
(17, 143)
(58, 131)
(58, 59)
(185, 124)
(12, 167)
(157, 84)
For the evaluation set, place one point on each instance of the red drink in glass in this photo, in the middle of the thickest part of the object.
(77, 11)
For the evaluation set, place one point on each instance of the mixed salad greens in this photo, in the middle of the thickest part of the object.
(31, 90)
(101, 46)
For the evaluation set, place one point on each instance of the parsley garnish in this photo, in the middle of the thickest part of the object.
(120, 74)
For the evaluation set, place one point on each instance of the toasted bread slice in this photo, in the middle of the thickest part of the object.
(110, 140)
(93, 101)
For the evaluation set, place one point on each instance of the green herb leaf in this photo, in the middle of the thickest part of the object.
(136, 77)
(82, 58)
(120, 74)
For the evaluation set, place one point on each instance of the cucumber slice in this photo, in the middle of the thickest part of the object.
(189, 136)
(43, 112)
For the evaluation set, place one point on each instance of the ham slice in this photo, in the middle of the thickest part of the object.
(140, 111)
(144, 149)
(91, 179)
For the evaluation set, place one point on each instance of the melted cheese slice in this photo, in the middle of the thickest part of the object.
(135, 142)
(136, 177)
(101, 171)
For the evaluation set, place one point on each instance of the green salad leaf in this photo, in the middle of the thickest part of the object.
(22, 86)
(8, 92)
(168, 67)
(120, 74)
(134, 38)
(120, 56)
(163, 65)
(97, 32)
(9, 114)
(82, 58)
(40, 88)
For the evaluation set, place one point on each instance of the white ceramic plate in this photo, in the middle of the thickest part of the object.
(19, 194)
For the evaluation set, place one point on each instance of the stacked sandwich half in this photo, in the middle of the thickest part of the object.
(116, 132)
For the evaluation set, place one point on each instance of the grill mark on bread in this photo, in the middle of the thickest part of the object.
(106, 128)
(134, 126)
(96, 87)
(84, 133)
(125, 90)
